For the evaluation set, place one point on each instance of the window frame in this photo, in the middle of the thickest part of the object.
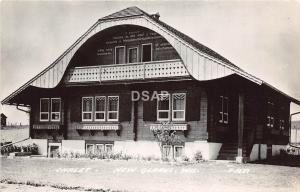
(90, 144)
(109, 144)
(99, 144)
(44, 120)
(222, 112)
(182, 151)
(178, 110)
(270, 114)
(117, 47)
(82, 112)
(137, 54)
(170, 152)
(142, 54)
(159, 111)
(51, 112)
(103, 112)
(108, 111)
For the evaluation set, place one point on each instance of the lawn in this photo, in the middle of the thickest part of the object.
(147, 176)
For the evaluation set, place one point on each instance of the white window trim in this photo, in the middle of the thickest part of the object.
(82, 112)
(158, 110)
(57, 120)
(181, 110)
(137, 54)
(103, 112)
(170, 152)
(270, 122)
(178, 146)
(54, 145)
(103, 145)
(43, 120)
(222, 111)
(112, 147)
(142, 56)
(86, 147)
(116, 47)
(108, 112)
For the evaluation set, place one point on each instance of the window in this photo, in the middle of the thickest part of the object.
(113, 108)
(178, 151)
(133, 55)
(89, 149)
(167, 149)
(163, 107)
(270, 115)
(223, 103)
(100, 105)
(55, 109)
(120, 55)
(44, 109)
(87, 108)
(108, 148)
(178, 104)
(146, 52)
(99, 148)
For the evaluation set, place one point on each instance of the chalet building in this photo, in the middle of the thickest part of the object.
(87, 99)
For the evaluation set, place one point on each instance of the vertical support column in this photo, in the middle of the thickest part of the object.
(239, 157)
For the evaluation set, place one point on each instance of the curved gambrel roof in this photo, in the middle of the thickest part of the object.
(201, 62)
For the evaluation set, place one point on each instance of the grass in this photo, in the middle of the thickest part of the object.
(146, 176)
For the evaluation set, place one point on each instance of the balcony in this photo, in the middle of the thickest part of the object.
(131, 71)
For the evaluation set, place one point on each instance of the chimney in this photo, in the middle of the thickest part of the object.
(155, 16)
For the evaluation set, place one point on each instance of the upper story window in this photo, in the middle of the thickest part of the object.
(120, 55)
(281, 124)
(44, 109)
(113, 108)
(133, 55)
(87, 108)
(270, 114)
(165, 107)
(50, 109)
(147, 52)
(55, 109)
(223, 112)
(100, 108)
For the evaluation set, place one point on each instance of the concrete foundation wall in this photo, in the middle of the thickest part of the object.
(209, 151)
(254, 155)
(42, 145)
(73, 145)
(276, 149)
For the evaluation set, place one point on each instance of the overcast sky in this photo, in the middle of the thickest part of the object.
(261, 37)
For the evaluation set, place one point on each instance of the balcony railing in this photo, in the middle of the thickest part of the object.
(131, 71)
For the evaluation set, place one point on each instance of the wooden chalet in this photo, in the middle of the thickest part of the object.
(83, 101)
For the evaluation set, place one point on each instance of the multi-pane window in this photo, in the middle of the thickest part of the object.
(87, 108)
(133, 55)
(44, 109)
(223, 112)
(50, 109)
(146, 52)
(120, 55)
(55, 109)
(178, 151)
(100, 105)
(163, 107)
(113, 108)
(98, 148)
(270, 115)
(178, 106)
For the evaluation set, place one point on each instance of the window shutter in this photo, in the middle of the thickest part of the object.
(149, 110)
(192, 106)
(75, 109)
(125, 107)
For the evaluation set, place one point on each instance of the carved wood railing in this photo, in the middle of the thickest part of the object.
(131, 71)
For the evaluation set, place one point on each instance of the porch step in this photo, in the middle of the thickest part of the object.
(228, 151)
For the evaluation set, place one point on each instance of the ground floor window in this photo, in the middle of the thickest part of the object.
(97, 148)
(270, 121)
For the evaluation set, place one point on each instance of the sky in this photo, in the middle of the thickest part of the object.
(261, 37)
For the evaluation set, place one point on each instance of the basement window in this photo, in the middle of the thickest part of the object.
(44, 109)
(178, 151)
(223, 114)
(87, 108)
